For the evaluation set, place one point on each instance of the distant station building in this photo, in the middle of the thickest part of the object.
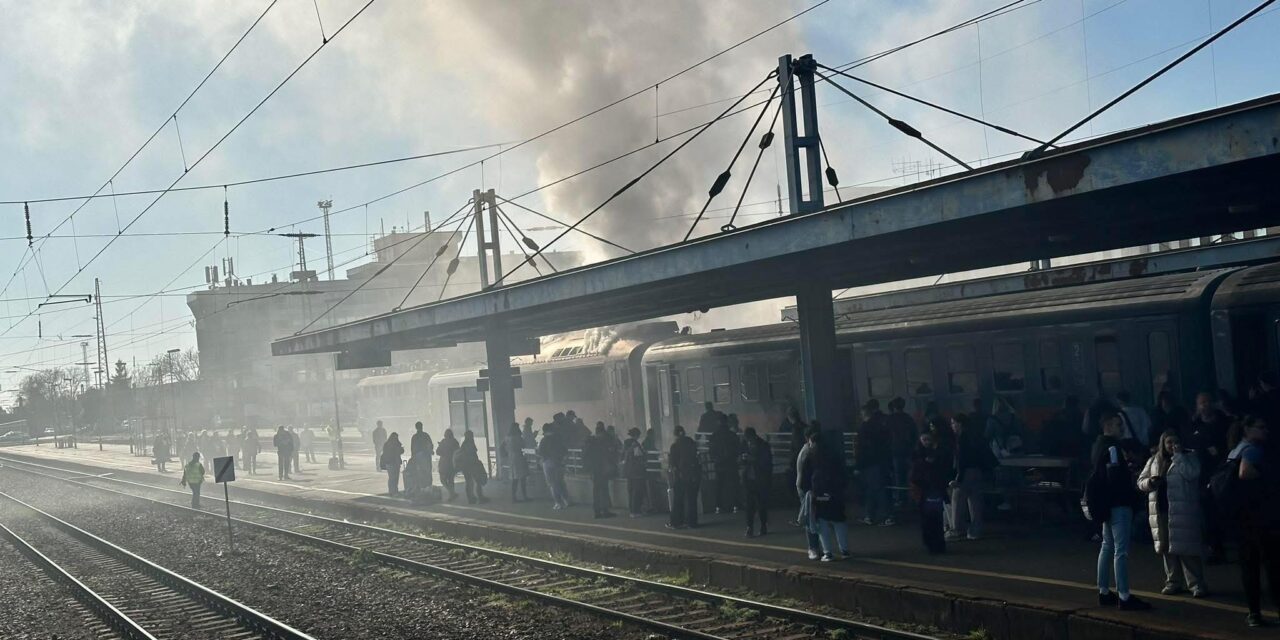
(236, 320)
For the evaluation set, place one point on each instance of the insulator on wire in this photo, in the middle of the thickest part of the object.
(26, 209)
(721, 181)
(443, 248)
(528, 242)
(453, 266)
(226, 216)
(766, 140)
(904, 127)
(832, 178)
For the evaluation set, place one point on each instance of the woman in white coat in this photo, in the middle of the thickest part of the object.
(1171, 480)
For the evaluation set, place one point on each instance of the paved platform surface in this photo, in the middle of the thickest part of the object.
(1020, 559)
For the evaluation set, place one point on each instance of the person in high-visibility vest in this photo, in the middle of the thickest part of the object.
(193, 477)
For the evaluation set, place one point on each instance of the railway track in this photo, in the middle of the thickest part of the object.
(134, 597)
(673, 610)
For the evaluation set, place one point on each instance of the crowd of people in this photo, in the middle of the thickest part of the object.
(1204, 477)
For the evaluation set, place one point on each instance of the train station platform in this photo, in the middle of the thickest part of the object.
(1025, 579)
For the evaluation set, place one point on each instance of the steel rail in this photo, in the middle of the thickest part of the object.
(861, 629)
(243, 613)
(107, 612)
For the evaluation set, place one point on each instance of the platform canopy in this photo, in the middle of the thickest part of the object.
(1203, 174)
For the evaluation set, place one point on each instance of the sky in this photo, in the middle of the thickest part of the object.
(84, 84)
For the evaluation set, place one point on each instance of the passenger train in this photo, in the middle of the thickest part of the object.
(1181, 332)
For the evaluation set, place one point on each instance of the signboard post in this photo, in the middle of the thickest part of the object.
(224, 472)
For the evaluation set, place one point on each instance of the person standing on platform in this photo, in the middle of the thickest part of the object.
(283, 442)
(1112, 494)
(192, 478)
(903, 438)
(160, 450)
(930, 471)
(474, 474)
(634, 469)
(308, 441)
(252, 447)
(974, 462)
(379, 439)
(513, 444)
(725, 449)
(874, 456)
(1254, 504)
(804, 481)
(297, 449)
(448, 472)
(686, 475)
(757, 478)
(1171, 480)
(826, 488)
(794, 428)
(529, 435)
(710, 419)
(392, 457)
(1136, 417)
(595, 460)
(1208, 439)
(552, 451)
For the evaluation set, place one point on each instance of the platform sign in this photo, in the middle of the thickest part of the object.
(224, 469)
(224, 472)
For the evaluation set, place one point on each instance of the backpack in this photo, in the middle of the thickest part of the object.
(1094, 502)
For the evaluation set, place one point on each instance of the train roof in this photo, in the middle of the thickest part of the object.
(1248, 287)
(393, 378)
(1139, 296)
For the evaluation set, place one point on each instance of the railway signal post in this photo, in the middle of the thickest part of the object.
(224, 473)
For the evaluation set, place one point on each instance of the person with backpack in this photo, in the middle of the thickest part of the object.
(1171, 480)
(1110, 497)
(824, 480)
(1245, 488)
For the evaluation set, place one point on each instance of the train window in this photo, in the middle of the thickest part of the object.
(1160, 357)
(919, 372)
(533, 389)
(1106, 355)
(1050, 366)
(577, 385)
(624, 377)
(779, 381)
(477, 417)
(962, 372)
(693, 385)
(1008, 367)
(879, 375)
(749, 382)
(722, 387)
(458, 408)
(675, 388)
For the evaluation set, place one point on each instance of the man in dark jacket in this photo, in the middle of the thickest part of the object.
(686, 474)
(873, 452)
(552, 451)
(930, 473)
(1207, 436)
(596, 461)
(379, 439)
(902, 442)
(757, 476)
(725, 447)
(710, 419)
(1112, 496)
(420, 443)
(283, 441)
(634, 469)
(392, 456)
(795, 428)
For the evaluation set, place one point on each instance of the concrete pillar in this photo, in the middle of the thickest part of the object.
(818, 362)
(502, 393)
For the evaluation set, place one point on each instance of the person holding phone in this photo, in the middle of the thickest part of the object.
(1171, 480)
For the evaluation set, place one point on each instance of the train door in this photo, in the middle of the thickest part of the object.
(664, 398)
(1159, 345)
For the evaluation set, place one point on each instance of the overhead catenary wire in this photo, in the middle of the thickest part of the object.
(524, 240)
(444, 248)
(646, 172)
(220, 140)
(965, 116)
(564, 224)
(901, 126)
(722, 180)
(519, 241)
(453, 264)
(1151, 78)
(765, 142)
(421, 237)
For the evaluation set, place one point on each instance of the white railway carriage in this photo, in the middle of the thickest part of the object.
(397, 399)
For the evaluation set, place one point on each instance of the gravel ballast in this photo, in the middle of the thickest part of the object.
(317, 591)
(37, 607)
